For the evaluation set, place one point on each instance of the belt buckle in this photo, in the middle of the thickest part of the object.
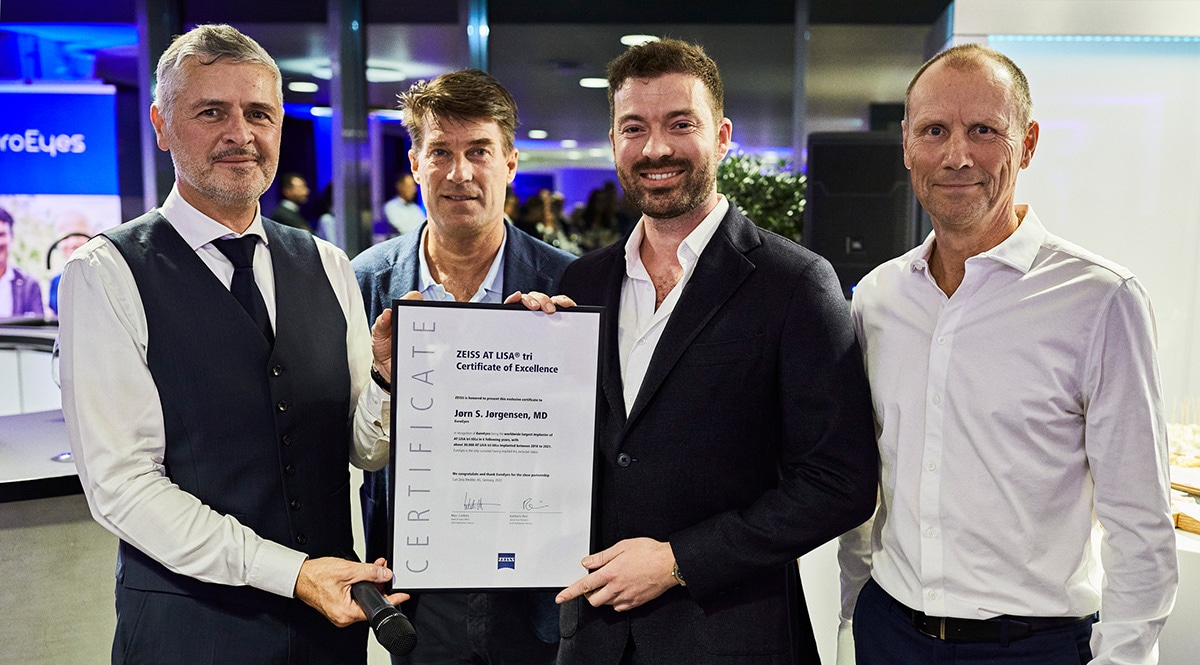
(924, 627)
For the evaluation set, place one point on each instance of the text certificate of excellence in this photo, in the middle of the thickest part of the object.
(493, 429)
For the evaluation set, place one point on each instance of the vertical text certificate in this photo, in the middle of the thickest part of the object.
(493, 427)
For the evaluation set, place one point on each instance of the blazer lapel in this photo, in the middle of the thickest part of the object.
(407, 265)
(610, 360)
(721, 269)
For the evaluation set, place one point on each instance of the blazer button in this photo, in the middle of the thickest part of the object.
(290, 469)
(295, 504)
(301, 539)
(624, 460)
(277, 370)
(287, 439)
(282, 405)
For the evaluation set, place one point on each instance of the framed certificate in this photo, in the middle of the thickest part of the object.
(493, 430)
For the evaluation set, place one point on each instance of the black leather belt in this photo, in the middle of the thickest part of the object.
(1002, 629)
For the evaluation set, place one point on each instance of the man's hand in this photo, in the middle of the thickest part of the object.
(631, 573)
(539, 301)
(325, 585)
(381, 338)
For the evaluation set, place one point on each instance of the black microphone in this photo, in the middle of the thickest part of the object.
(392, 628)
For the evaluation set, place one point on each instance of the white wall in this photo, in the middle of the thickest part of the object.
(1117, 170)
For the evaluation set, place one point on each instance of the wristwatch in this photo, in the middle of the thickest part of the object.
(678, 575)
(380, 381)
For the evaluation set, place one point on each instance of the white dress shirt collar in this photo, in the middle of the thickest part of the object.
(1018, 250)
(689, 250)
(199, 229)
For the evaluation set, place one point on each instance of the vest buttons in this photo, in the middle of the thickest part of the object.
(295, 504)
(290, 469)
(277, 370)
(624, 460)
(282, 405)
(287, 439)
(301, 539)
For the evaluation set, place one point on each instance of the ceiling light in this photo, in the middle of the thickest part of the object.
(322, 111)
(635, 40)
(538, 134)
(569, 143)
(384, 75)
(375, 73)
(597, 152)
(303, 86)
(574, 154)
(388, 114)
(593, 82)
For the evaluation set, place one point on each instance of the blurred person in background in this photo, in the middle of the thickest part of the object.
(293, 193)
(20, 293)
(73, 230)
(403, 212)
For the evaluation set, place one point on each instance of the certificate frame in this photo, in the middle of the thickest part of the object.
(493, 430)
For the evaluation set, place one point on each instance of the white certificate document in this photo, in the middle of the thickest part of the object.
(493, 430)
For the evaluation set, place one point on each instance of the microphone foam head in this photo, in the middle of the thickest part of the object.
(396, 634)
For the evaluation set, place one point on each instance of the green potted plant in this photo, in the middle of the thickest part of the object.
(770, 193)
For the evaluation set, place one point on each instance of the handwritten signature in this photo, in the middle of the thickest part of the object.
(533, 504)
(477, 504)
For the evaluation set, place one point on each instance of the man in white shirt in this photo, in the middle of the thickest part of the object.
(734, 428)
(403, 212)
(1017, 406)
(214, 386)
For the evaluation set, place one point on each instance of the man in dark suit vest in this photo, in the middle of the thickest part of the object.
(734, 425)
(215, 375)
(462, 126)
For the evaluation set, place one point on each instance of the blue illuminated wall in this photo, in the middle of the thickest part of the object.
(57, 139)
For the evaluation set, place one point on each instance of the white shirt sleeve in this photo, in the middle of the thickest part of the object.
(369, 445)
(1125, 440)
(115, 425)
(854, 554)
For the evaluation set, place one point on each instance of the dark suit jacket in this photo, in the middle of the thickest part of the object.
(750, 442)
(288, 217)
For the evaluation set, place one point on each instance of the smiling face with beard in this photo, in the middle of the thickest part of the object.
(223, 134)
(667, 143)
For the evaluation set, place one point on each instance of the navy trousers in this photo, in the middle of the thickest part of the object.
(884, 635)
(155, 628)
(496, 628)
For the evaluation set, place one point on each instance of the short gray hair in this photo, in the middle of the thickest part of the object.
(208, 43)
(969, 56)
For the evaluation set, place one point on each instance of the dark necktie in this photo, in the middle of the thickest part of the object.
(240, 251)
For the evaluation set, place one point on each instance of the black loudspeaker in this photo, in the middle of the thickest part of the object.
(860, 209)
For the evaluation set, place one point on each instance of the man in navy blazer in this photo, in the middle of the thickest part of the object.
(462, 126)
(735, 428)
(26, 292)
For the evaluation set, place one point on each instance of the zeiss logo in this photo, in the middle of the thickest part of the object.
(34, 141)
(506, 560)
